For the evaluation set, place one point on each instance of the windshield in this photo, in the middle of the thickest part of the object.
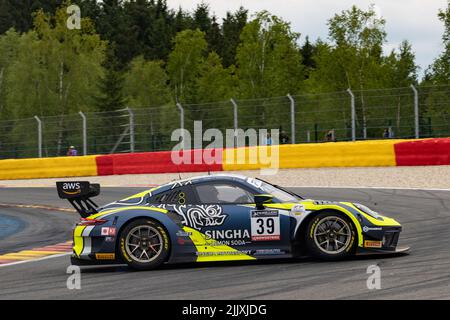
(277, 191)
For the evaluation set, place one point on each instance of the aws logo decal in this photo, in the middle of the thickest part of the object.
(71, 188)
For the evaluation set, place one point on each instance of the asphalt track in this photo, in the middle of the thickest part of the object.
(423, 274)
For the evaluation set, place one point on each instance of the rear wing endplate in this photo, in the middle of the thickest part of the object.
(79, 194)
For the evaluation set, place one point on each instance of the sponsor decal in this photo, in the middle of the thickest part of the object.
(177, 184)
(367, 229)
(372, 244)
(265, 225)
(105, 256)
(110, 239)
(254, 182)
(124, 252)
(183, 234)
(198, 216)
(108, 231)
(71, 188)
(298, 209)
(215, 243)
(224, 253)
(227, 234)
(323, 202)
(181, 237)
(269, 252)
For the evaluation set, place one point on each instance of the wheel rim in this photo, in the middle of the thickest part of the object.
(143, 244)
(332, 235)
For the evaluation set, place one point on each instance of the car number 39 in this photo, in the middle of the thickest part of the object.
(265, 225)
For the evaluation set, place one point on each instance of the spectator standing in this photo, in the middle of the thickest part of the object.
(72, 152)
(329, 137)
(284, 137)
(391, 133)
(269, 139)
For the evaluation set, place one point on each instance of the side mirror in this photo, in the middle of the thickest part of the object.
(261, 199)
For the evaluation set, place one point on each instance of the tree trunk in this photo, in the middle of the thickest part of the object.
(1, 82)
(61, 118)
(363, 111)
(398, 115)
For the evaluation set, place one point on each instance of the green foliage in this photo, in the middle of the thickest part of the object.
(439, 71)
(268, 59)
(231, 30)
(184, 64)
(141, 53)
(56, 67)
(146, 84)
(214, 82)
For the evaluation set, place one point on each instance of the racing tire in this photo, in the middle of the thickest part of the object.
(330, 236)
(144, 244)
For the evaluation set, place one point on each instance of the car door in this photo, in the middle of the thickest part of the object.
(230, 219)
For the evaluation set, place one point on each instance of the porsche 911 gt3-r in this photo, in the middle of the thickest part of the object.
(221, 218)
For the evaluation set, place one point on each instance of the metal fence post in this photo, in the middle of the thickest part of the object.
(235, 120)
(180, 107)
(131, 114)
(39, 122)
(353, 114)
(83, 117)
(292, 118)
(416, 112)
(235, 114)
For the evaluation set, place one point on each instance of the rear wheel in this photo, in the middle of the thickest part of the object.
(330, 236)
(144, 244)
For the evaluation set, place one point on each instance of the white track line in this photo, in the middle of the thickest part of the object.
(33, 260)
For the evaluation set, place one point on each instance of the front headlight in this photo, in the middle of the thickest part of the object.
(369, 211)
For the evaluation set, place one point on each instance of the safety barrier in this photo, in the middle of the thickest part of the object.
(160, 162)
(428, 152)
(48, 168)
(316, 155)
(334, 154)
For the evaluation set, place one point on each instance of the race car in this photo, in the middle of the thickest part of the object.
(221, 218)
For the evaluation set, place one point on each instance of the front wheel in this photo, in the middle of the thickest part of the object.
(330, 236)
(144, 244)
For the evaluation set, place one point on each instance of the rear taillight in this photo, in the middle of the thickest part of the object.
(91, 222)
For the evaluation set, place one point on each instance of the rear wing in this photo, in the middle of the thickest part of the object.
(79, 194)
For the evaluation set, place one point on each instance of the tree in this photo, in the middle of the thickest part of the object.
(215, 86)
(146, 83)
(439, 71)
(353, 58)
(308, 51)
(56, 67)
(231, 31)
(182, 21)
(201, 18)
(268, 59)
(18, 14)
(184, 64)
(214, 37)
(112, 26)
(436, 96)
(110, 95)
(9, 46)
(399, 68)
(215, 83)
